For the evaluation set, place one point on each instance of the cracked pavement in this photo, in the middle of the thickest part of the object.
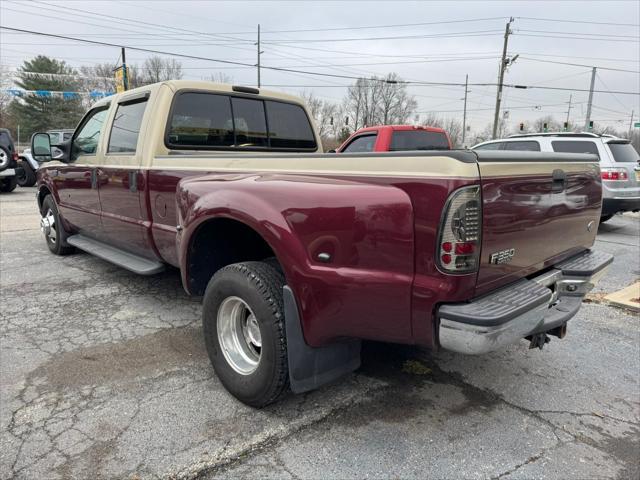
(103, 374)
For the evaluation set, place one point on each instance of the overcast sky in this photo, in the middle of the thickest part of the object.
(435, 52)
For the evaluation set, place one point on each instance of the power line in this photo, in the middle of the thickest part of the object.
(537, 19)
(442, 22)
(475, 33)
(575, 38)
(579, 33)
(580, 65)
(231, 62)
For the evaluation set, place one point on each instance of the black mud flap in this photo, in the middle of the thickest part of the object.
(310, 367)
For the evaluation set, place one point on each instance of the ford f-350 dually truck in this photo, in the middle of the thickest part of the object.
(300, 255)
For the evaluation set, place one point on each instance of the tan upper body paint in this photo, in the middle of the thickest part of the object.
(152, 153)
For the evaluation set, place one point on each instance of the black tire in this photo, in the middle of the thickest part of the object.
(606, 218)
(5, 158)
(259, 286)
(28, 177)
(8, 185)
(58, 246)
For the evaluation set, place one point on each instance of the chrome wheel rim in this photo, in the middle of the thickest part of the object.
(239, 335)
(48, 226)
(4, 158)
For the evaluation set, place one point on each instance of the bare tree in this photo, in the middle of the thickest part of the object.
(158, 69)
(221, 77)
(5, 97)
(375, 101)
(326, 116)
(552, 124)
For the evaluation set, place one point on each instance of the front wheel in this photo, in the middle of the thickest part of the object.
(51, 227)
(244, 331)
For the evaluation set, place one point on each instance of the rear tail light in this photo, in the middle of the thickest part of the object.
(15, 156)
(614, 174)
(459, 240)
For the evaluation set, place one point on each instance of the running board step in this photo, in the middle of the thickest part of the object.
(130, 261)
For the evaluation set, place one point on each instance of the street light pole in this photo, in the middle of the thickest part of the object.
(593, 82)
(569, 110)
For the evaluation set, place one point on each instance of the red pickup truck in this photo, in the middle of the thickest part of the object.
(396, 138)
(300, 255)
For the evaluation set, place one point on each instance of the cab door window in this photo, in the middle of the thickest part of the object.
(363, 143)
(88, 137)
(126, 127)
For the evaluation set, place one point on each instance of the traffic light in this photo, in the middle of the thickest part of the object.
(545, 126)
(591, 125)
(522, 126)
(566, 126)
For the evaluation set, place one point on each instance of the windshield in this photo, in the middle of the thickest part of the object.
(623, 152)
(418, 140)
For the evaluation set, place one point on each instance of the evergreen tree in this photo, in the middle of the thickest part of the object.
(35, 113)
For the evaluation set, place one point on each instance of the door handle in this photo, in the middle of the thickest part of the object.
(559, 180)
(133, 181)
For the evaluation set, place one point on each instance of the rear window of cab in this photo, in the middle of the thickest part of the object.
(403, 140)
(201, 120)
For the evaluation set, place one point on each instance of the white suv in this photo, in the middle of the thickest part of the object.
(619, 162)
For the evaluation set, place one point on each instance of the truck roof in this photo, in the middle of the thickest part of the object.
(401, 128)
(204, 85)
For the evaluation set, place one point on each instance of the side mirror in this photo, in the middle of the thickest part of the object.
(41, 147)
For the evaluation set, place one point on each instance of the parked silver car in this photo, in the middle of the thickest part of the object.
(30, 166)
(619, 162)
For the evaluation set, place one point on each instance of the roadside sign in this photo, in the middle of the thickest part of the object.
(120, 79)
(636, 125)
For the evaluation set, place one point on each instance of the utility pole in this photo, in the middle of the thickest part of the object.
(464, 116)
(125, 78)
(630, 124)
(503, 66)
(569, 110)
(593, 82)
(259, 52)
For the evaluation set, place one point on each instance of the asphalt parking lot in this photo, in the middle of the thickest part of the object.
(103, 374)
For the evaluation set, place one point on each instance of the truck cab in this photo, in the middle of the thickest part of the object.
(396, 138)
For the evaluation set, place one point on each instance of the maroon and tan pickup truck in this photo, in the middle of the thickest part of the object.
(300, 255)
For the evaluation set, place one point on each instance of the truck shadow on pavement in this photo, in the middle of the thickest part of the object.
(122, 386)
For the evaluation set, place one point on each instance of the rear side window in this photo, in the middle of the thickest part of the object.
(418, 140)
(528, 146)
(66, 136)
(205, 120)
(201, 119)
(491, 146)
(289, 126)
(623, 152)
(572, 146)
(363, 143)
(126, 127)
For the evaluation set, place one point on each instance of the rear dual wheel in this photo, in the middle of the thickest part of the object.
(244, 330)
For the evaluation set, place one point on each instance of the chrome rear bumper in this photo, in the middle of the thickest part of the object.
(524, 308)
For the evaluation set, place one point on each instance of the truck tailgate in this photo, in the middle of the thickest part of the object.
(538, 209)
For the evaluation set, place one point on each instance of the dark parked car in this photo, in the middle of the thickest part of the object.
(8, 162)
